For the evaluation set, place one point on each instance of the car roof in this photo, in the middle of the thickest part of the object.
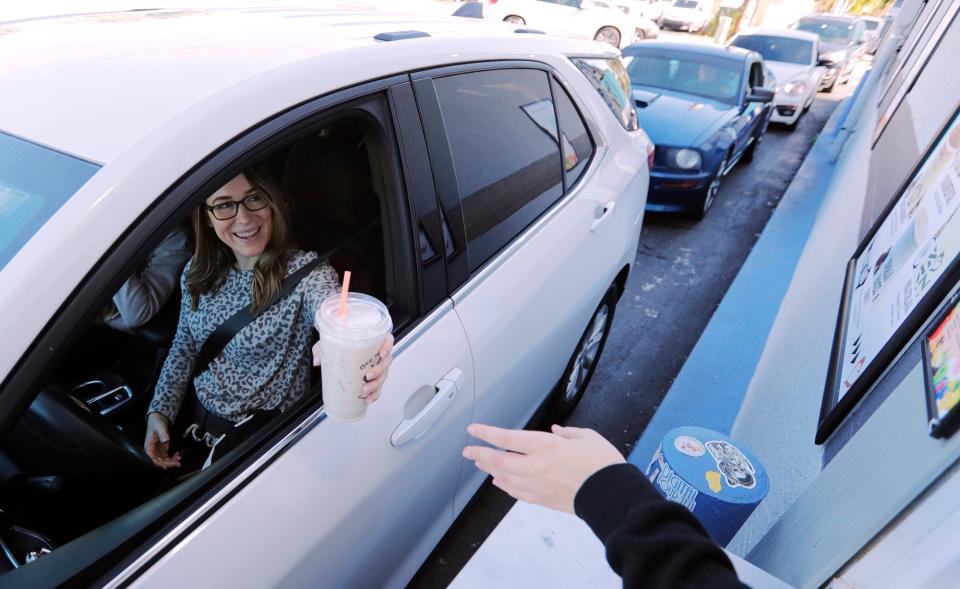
(822, 17)
(95, 83)
(786, 33)
(735, 53)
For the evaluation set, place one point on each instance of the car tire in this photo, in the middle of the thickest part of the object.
(752, 150)
(639, 35)
(712, 190)
(608, 35)
(583, 363)
(514, 19)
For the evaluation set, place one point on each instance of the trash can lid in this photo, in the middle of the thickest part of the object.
(715, 465)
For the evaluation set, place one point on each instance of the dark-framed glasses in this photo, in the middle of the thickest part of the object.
(226, 210)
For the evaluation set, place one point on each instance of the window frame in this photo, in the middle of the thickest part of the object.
(135, 540)
(458, 268)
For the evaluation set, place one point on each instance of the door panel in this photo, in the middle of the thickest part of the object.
(343, 507)
(525, 312)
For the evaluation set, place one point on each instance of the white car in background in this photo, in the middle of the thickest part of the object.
(792, 57)
(643, 27)
(487, 185)
(581, 18)
(688, 15)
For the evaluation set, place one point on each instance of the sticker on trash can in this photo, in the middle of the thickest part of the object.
(736, 468)
(689, 445)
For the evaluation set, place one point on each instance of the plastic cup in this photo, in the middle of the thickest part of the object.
(349, 347)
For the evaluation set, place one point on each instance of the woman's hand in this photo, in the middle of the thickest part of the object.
(376, 376)
(157, 444)
(546, 469)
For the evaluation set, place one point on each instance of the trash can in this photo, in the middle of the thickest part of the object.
(716, 478)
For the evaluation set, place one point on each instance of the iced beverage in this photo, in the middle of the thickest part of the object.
(349, 347)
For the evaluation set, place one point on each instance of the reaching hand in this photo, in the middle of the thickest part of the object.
(538, 467)
(157, 444)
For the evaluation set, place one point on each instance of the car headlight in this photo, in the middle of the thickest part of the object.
(685, 159)
(795, 87)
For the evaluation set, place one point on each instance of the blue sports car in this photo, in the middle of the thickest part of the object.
(706, 108)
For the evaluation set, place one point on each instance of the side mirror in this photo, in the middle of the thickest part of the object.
(823, 62)
(760, 95)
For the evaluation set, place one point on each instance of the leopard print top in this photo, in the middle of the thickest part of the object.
(265, 366)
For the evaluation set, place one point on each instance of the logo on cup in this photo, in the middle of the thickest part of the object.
(689, 446)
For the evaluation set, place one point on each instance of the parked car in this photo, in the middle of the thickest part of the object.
(792, 59)
(841, 45)
(643, 28)
(689, 15)
(582, 18)
(494, 203)
(706, 108)
(873, 33)
(653, 9)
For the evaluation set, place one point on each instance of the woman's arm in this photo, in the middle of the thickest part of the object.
(178, 366)
(144, 293)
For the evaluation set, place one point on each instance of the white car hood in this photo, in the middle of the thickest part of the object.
(784, 72)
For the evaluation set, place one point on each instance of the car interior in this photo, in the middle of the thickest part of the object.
(75, 458)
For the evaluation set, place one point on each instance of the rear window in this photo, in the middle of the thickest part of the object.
(34, 183)
(611, 81)
(829, 31)
(777, 48)
(502, 129)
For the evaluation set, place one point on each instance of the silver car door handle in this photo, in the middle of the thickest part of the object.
(447, 389)
(602, 215)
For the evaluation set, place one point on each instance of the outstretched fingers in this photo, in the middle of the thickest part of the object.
(520, 441)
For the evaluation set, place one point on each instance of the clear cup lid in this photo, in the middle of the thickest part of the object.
(365, 316)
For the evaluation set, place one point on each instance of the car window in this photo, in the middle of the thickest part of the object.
(73, 461)
(686, 4)
(575, 141)
(610, 79)
(502, 129)
(35, 181)
(701, 75)
(831, 32)
(777, 48)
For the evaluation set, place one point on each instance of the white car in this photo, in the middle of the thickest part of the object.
(488, 186)
(689, 15)
(792, 57)
(581, 18)
(643, 27)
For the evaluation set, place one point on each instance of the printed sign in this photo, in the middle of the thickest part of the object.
(894, 279)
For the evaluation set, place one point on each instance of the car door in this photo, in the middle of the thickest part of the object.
(527, 260)
(753, 115)
(356, 504)
(559, 15)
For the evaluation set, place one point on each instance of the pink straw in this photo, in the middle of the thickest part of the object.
(344, 291)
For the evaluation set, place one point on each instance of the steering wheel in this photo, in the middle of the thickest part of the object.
(60, 435)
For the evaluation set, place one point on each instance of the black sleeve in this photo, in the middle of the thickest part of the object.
(650, 542)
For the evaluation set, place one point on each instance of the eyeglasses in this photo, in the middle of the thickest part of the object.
(227, 210)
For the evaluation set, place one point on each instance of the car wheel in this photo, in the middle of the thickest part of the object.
(639, 35)
(608, 35)
(712, 191)
(583, 364)
(752, 150)
(514, 20)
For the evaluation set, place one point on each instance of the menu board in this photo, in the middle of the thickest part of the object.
(897, 276)
(942, 371)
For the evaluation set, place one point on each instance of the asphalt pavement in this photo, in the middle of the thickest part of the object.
(682, 271)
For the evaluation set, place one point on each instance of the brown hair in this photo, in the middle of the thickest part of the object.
(212, 258)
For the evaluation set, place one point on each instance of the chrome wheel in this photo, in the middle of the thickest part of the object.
(608, 35)
(514, 20)
(586, 357)
(712, 190)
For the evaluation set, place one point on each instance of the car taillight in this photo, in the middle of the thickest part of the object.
(650, 149)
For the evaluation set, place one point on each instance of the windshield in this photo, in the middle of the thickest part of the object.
(718, 79)
(831, 32)
(685, 4)
(778, 48)
(34, 183)
(872, 25)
